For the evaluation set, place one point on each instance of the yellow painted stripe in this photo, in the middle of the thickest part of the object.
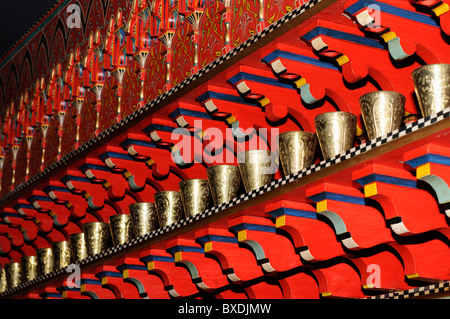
(300, 82)
(151, 265)
(208, 246)
(264, 101)
(280, 221)
(64, 294)
(127, 174)
(370, 190)
(106, 185)
(104, 280)
(443, 8)
(52, 214)
(178, 256)
(359, 131)
(388, 36)
(342, 60)
(83, 288)
(150, 162)
(423, 170)
(325, 294)
(321, 206)
(415, 275)
(242, 235)
(126, 273)
(231, 119)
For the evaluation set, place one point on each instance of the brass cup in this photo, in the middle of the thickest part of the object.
(297, 150)
(432, 87)
(62, 253)
(3, 283)
(46, 260)
(78, 246)
(13, 273)
(257, 168)
(97, 236)
(335, 132)
(121, 228)
(144, 218)
(382, 112)
(224, 181)
(169, 207)
(30, 268)
(195, 195)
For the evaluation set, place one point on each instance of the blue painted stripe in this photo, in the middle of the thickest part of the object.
(121, 268)
(118, 155)
(296, 57)
(387, 8)
(178, 248)
(11, 215)
(150, 258)
(429, 158)
(17, 206)
(246, 226)
(337, 197)
(40, 198)
(96, 167)
(218, 238)
(90, 281)
(222, 96)
(56, 188)
(342, 36)
(258, 78)
(68, 178)
(115, 274)
(131, 141)
(52, 294)
(293, 212)
(386, 179)
(181, 111)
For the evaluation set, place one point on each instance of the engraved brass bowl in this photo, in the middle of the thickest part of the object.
(297, 150)
(121, 228)
(3, 283)
(169, 207)
(382, 112)
(97, 236)
(46, 260)
(257, 168)
(432, 87)
(224, 181)
(335, 132)
(13, 273)
(78, 246)
(30, 268)
(195, 195)
(62, 253)
(144, 218)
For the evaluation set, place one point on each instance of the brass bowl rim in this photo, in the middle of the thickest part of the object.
(429, 66)
(184, 181)
(12, 263)
(142, 203)
(117, 216)
(222, 165)
(383, 93)
(95, 223)
(27, 257)
(253, 151)
(349, 114)
(77, 234)
(60, 241)
(161, 192)
(297, 132)
(44, 249)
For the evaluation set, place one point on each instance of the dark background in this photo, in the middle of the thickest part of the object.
(17, 17)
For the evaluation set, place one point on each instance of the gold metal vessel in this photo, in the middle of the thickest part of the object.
(13, 273)
(257, 168)
(30, 268)
(3, 282)
(335, 132)
(195, 195)
(121, 228)
(62, 253)
(78, 246)
(297, 150)
(224, 182)
(144, 218)
(46, 260)
(382, 112)
(169, 207)
(97, 236)
(432, 87)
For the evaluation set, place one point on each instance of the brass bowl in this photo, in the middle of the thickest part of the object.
(3, 282)
(30, 268)
(432, 87)
(97, 236)
(144, 218)
(257, 168)
(382, 112)
(62, 253)
(121, 228)
(13, 273)
(224, 181)
(335, 132)
(169, 207)
(195, 195)
(78, 246)
(297, 150)
(46, 260)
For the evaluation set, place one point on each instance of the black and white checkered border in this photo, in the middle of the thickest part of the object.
(407, 129)
(139, 113)
(416, 292)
